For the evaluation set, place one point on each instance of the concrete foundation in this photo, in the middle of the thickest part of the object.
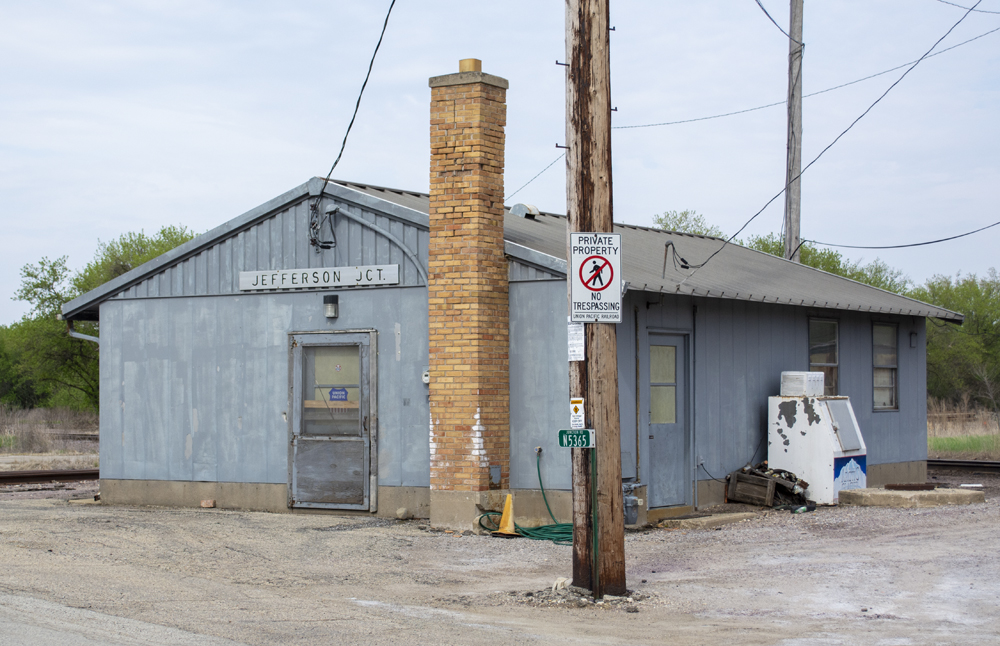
(450, 509)
(880, 475)
(416, 500)
(711, 493)
(458, 510)
(935, 498)
(248, 496)
(530, 511)
(659, 513)
(168, 493)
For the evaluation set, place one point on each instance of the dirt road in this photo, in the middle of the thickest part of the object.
(837, 576)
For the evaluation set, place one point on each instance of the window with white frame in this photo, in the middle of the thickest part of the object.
(885, 369)
(824, 352)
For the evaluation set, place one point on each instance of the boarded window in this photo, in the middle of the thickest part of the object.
(885, 370)
(824, 352)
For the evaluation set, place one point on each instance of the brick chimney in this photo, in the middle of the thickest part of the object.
(467, 294)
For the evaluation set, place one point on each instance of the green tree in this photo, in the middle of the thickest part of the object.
(966, 358)
(16, 389)
(877, 273)
(40, 363)
(686, 222)
(124, 254)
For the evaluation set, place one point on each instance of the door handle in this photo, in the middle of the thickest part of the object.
(364, 423)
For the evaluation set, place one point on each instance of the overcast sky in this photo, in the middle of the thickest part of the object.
(121, 116)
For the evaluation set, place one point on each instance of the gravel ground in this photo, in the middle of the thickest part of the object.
(836, 576)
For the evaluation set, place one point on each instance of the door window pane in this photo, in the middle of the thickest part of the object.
(663, 364)
(663, 404)
(332, 393)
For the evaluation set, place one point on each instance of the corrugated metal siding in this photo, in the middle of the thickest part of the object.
(196, 388)
(626, 346)
(740, 350)
(522, 272)
(539, 384)
(281, 241)
(891, 436)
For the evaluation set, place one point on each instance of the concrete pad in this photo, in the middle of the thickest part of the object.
(935, 498)
(705, 522)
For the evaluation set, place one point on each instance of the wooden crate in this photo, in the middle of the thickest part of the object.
(753, 490)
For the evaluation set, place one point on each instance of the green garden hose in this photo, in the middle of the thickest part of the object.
(558, 533)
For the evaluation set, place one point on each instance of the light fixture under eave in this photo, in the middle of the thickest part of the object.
(913, 339)
(331, 306)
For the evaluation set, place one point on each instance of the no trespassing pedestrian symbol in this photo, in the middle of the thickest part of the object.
(596, 266)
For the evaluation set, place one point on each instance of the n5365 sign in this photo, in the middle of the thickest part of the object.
(577, 438)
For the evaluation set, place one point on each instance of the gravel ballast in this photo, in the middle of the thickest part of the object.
(835, 576)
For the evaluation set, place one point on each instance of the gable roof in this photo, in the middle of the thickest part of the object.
(735, 272)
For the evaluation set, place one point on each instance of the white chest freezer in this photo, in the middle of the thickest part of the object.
(817, 439)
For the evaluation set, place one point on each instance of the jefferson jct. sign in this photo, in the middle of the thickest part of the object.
(321, 277)
(595, 272)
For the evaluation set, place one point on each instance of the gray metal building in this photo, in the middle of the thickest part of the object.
(196, 374)
(260, 369)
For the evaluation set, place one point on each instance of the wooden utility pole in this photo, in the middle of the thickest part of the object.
(588, 202)
(793, 190)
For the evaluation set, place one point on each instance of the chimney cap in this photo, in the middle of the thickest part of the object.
(470, 65)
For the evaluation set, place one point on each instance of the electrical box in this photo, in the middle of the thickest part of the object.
(817, 439)
(798, 384)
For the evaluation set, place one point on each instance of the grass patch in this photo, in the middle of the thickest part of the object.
(967, 447)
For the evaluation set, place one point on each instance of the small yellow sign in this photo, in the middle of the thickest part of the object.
(577, 416)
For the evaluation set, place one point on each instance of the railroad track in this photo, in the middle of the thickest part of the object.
(57, 475)
(90, 437)
(983, 466)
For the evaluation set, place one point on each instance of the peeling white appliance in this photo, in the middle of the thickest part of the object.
(817, 439)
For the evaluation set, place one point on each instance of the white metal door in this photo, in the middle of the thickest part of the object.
(670, 481)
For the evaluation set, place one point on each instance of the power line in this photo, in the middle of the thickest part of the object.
(535, 177)
(316, 224)
(776, 24)
(829, 89)
(967, 8)
(903, 246)
(831, 144)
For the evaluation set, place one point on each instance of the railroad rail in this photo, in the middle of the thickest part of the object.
(57, 475)
(91, 437)
(983, 466)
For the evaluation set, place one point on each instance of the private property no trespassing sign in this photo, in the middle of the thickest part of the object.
(596, 277)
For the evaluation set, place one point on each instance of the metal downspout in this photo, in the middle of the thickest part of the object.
(83, 337)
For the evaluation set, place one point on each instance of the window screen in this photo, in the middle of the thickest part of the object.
(884, 367)
(824, 354)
